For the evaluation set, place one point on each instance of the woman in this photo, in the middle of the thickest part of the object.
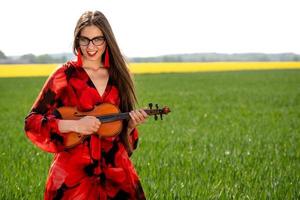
(96, 168)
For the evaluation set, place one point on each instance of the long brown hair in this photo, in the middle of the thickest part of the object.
(119, 73)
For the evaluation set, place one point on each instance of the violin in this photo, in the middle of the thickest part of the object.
(108, 114)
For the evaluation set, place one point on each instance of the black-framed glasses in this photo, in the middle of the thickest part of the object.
(97, 41)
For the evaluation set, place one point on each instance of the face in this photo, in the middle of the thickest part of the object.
(92, 43)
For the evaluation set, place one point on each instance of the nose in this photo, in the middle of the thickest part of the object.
(91, 45)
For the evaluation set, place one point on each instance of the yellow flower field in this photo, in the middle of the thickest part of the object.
(27, 70)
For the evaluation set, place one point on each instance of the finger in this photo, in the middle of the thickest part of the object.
(96, 123)
(96, 120)
(144, 113)
(87, 132)
(95, 128)
(90, 117)
(133, 118)
(139, 116)
(93, 118)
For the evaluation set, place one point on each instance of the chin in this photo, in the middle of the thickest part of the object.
(93, 58)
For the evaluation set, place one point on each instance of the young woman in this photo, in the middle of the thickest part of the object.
(97, 168)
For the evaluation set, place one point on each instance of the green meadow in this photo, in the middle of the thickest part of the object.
(230, 135)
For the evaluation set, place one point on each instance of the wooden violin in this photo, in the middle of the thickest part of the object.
(109, 116)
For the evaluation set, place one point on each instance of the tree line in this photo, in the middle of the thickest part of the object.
(220, 57)
(195, 57)
(31, 58)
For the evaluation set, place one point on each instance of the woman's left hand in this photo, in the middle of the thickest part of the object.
(137, 117)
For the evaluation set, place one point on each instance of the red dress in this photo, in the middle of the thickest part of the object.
(95, 169)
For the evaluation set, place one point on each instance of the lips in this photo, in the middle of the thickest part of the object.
(91, 53)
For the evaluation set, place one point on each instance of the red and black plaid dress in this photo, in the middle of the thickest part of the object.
(95, 169)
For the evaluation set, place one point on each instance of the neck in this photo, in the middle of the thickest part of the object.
(92, 64)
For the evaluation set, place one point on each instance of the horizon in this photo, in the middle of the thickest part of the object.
(182, 54)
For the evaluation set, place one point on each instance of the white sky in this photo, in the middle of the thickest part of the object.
(155, 27)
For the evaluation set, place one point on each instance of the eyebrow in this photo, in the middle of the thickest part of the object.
(100, 36)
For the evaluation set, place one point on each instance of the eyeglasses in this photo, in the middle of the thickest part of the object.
(97, 41)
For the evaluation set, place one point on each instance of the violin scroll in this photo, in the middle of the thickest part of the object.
(157, 111)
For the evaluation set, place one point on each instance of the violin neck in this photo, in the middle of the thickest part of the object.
(121, 116)
(113, 117)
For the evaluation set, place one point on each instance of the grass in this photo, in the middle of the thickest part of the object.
(230, 135)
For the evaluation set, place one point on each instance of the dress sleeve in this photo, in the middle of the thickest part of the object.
(41, 125)
(134, 138)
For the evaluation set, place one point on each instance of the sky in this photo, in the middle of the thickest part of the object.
(157, 27)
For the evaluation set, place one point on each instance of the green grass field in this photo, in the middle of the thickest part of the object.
(230, 135)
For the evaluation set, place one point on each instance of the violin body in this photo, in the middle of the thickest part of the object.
(109, 115)
(113, 128)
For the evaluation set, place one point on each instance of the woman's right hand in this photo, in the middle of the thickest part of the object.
(87, 125)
